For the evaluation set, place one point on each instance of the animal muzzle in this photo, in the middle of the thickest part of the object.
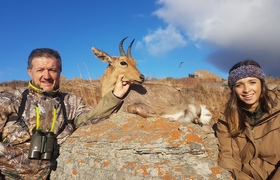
(139, 80)
(142, 78)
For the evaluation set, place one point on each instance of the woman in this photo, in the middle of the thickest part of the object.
(248, 130)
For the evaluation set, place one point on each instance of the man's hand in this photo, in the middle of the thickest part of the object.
(121, 86)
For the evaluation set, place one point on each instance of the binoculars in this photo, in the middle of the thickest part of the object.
(42, 145)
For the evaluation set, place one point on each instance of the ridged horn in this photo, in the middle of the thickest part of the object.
(121, 47)
(129, 49)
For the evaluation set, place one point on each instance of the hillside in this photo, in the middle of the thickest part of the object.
(204, 88)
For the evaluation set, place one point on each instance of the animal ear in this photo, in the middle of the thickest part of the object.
(101, 55)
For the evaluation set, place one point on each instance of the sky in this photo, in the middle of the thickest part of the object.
(173, 38)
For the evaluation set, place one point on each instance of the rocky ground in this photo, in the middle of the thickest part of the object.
(130, 147)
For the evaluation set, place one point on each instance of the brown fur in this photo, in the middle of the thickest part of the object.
(153, 100)
(146, 100)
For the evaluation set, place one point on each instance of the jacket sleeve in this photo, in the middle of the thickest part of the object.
(228, 157)
(240, 175)
(106, 106)
(6, 108)
(276, 174)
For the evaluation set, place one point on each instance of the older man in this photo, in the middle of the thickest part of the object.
(35, 121)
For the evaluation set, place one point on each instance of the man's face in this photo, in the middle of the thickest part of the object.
(45, 73)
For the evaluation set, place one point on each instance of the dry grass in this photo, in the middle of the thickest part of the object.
(90, 90)
(6, 86)
(209, 92)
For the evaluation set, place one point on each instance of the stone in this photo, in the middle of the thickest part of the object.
(129, 147)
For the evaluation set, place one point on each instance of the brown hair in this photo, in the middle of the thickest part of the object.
(44, 52)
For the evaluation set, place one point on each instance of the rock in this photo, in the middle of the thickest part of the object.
(206, 75)
(130, 147)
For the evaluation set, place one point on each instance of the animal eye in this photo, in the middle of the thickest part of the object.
(123, 63)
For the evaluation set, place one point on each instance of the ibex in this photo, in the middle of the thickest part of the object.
(146, 99)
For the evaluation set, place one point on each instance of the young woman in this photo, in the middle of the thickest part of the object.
(248, 130)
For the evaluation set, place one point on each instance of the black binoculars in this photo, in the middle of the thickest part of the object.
(42, 145)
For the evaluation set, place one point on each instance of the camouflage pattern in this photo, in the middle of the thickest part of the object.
(15, 141)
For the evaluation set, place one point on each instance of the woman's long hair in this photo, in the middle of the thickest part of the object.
(234, 113)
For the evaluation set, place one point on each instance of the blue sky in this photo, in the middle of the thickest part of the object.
(204, 34)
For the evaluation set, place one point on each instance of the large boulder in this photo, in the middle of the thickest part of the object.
(129, 147)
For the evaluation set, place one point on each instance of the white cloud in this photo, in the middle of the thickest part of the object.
(231, 25)
(224, 22)
(161, 41)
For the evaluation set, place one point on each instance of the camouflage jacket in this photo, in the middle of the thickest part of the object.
(15, 140)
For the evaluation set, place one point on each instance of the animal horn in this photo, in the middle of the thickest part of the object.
(121, 47)
(129, 49)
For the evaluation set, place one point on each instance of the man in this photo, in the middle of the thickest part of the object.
(34, 122)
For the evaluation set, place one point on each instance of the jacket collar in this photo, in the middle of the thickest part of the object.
(33, 88)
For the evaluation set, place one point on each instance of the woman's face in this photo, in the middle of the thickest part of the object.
(248, 91)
